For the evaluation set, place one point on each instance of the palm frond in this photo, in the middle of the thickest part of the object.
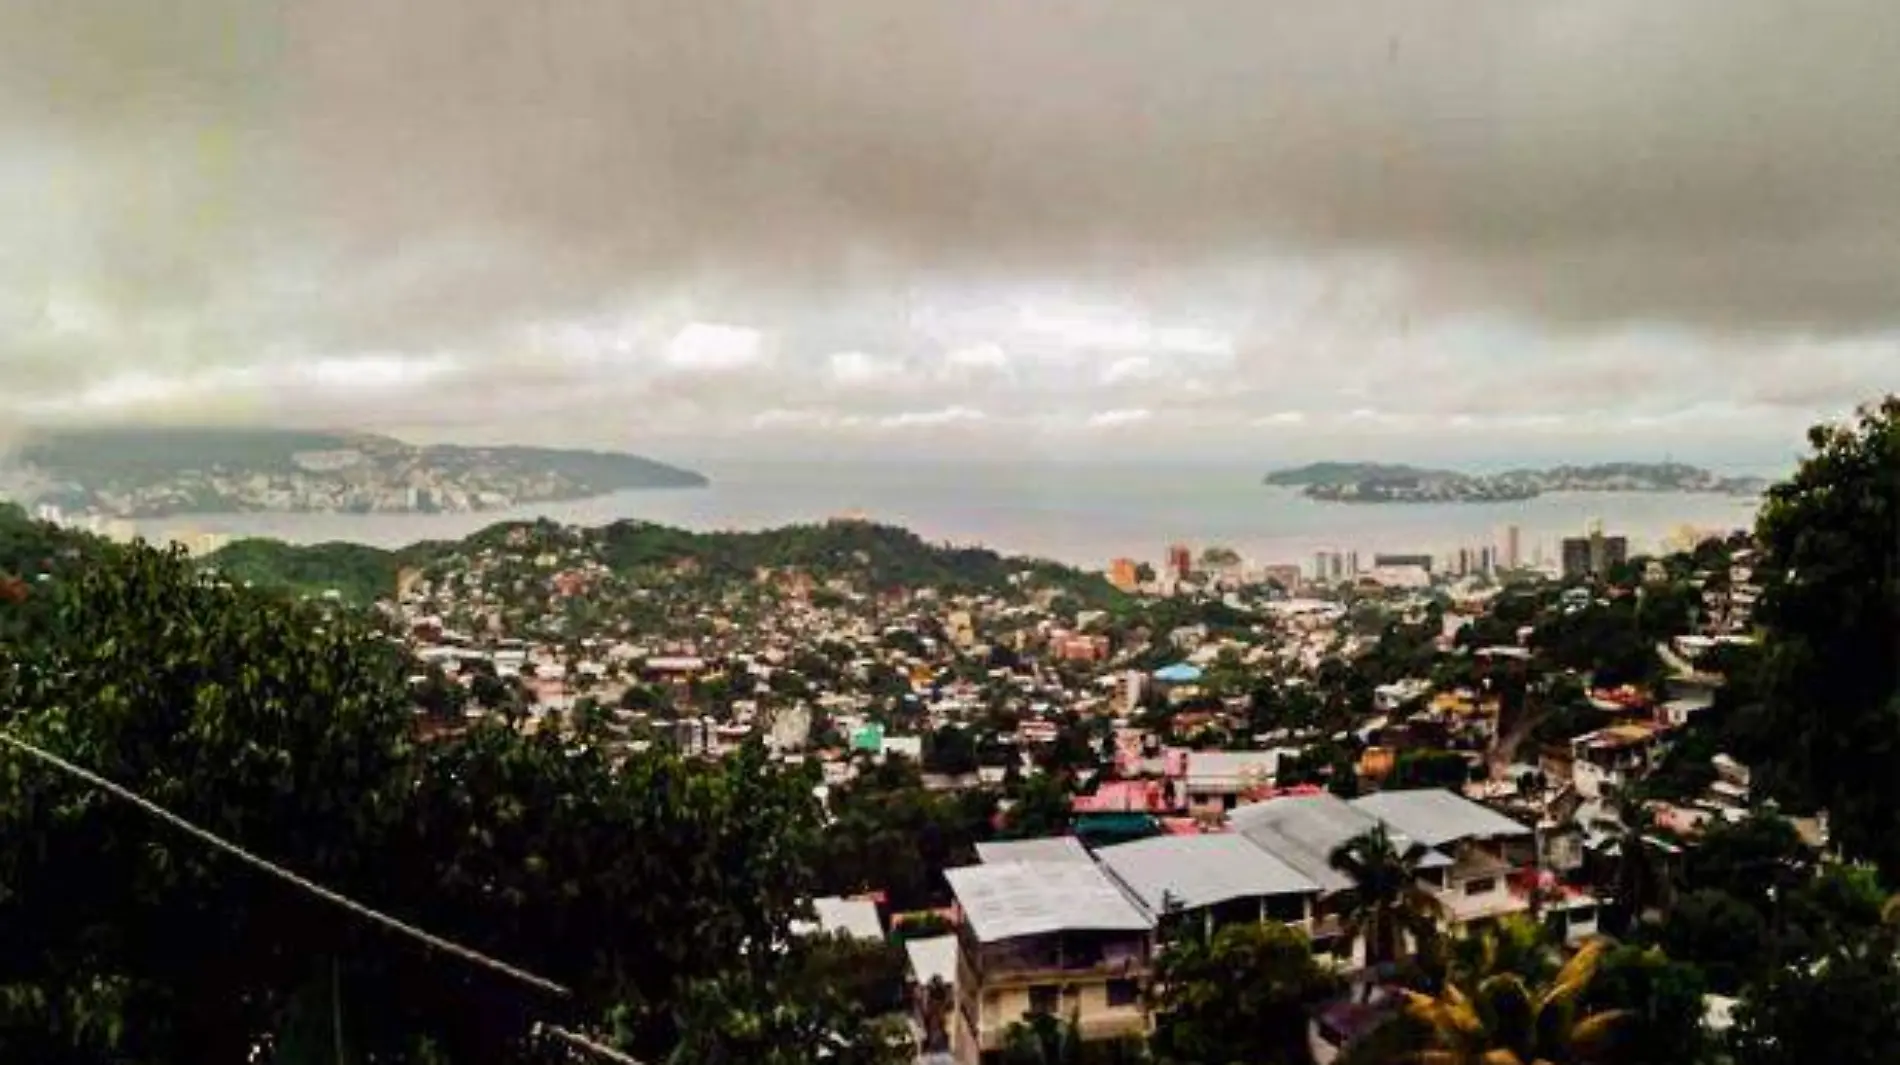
(1593, 1033)
(1575, 975)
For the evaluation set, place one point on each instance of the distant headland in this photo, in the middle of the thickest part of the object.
(155, 472)
(1369, 482)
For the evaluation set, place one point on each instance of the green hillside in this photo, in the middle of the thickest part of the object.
(359, 573)
(878, 557)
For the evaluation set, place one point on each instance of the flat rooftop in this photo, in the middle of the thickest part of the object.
(1011, 899)
(1198, 871)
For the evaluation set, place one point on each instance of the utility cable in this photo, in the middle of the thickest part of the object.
(468, 954)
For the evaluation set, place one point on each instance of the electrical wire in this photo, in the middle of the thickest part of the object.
(265, 865)
(335, 898)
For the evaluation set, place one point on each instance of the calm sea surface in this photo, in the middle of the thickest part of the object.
(1076, 513)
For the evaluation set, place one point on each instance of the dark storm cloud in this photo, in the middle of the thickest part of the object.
(224, 188)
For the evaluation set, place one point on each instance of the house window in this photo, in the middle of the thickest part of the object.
(1123, 993)
(1483, 885)
(1286, 908)
(1045, 998)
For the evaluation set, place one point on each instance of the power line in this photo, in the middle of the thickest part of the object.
(541, 1029)
(574, 1039)
(335, 898)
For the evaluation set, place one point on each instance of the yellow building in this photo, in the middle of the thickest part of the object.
(1052, 937)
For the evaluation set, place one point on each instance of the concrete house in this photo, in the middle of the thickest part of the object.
(1485, 848)
(1054, 938)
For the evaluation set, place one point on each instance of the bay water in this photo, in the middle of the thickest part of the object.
(1079, 513)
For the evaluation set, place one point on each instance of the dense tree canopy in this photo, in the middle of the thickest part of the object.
(1830, 543)
(1239, 995)
(1661, 1001)
(889, 834)
(648, 885)
(1842, 1007)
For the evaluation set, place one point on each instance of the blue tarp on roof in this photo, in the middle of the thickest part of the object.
(1179, 673)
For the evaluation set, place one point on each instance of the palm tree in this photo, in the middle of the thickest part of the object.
(1389, 906)
(1505, 1020)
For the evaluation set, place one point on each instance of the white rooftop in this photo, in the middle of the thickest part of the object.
(1012, 899)
(1303, 831)
(931, 958)
(1434, 816)
(1198, 871)
(856, 917)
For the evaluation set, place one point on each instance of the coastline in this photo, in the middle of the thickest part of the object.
(1083, 516)
(1408, 501)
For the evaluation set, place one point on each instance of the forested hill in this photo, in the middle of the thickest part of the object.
(869, 555)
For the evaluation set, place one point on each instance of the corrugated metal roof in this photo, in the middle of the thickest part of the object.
(1014, 899)
(1197, 871)
(1303, 831)
(1052, 849)
(1435, 817)
(933, 958)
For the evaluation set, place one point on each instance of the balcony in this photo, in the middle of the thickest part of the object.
(1059, 959)
(1051, 970)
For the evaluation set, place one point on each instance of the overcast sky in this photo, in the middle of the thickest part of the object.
(1459, 230)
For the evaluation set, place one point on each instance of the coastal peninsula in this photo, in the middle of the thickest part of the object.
(1366, 482)
(155, 472)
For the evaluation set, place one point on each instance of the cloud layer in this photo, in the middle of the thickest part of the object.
(1073, 225)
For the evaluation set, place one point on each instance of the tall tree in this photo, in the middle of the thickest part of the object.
(642, 882)
(1830, 540)
(1390, 910)
(1843, 1007)
(1043, 807)
(270, 723)
(1240, 995)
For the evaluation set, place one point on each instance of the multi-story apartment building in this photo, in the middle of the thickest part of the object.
(1056, 938)
(1180, 561)
(1593, 555)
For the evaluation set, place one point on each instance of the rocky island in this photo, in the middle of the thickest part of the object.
(1365, 482)
(155, 472)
